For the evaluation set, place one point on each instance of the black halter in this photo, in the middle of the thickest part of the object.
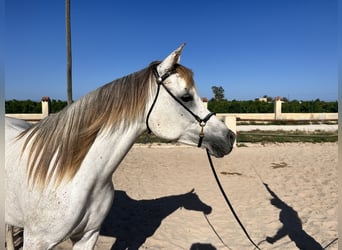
(160, 82)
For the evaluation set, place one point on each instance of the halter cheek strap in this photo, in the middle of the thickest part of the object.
(160, 82)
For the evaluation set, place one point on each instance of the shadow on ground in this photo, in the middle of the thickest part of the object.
(131, 221)
(292, 225)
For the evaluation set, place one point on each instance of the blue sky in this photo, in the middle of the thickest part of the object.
(249, 47)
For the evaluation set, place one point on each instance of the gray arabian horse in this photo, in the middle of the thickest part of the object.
(59, 171)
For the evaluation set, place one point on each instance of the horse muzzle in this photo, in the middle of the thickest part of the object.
(220, 148)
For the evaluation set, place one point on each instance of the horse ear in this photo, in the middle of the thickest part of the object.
(170, 61)
(192, 191)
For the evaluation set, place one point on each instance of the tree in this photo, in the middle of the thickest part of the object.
(68, 48)
(268, 98)
(218, 93)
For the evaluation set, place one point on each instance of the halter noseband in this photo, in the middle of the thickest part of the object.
(160, 82)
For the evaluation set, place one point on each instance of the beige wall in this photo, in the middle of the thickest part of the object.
(282, 116)
(33, 118)
(228, 118)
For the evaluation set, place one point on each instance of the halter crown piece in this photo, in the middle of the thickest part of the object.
(160, 82)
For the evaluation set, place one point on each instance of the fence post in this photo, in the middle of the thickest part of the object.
(45, 106)
(230, 122)
(205, 102)
(277, 108)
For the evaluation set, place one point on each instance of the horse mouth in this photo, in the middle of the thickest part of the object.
(218, 151)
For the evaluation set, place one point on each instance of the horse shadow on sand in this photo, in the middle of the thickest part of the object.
(131, 221)
(292, 225)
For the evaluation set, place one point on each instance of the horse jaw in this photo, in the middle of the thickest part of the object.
(170, 60)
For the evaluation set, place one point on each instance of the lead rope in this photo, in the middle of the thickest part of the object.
(228, 202)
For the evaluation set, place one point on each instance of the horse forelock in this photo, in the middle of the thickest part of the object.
(187, 74)
(58, 144)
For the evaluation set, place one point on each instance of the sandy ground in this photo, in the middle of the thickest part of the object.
(284, 194)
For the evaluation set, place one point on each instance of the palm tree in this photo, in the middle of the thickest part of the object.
(68, 48)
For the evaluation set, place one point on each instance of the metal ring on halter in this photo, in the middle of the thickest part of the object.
(160, 81)
(202, 124)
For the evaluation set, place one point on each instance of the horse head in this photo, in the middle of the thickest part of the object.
(191, 201)
(177, 112)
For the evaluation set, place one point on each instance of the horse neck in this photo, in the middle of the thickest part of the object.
(172, 203)
(109, 148)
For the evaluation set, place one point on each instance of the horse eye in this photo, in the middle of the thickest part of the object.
(187, 98)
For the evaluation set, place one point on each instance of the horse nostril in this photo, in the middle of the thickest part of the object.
(231, 137)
